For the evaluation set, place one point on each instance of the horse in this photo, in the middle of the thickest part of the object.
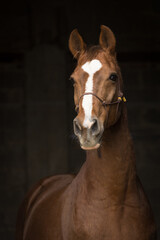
(105, 200)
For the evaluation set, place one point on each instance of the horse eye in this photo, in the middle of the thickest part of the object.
(113, 77)
(72, 80)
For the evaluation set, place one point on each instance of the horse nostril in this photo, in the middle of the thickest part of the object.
(95, 127)
(77, 127)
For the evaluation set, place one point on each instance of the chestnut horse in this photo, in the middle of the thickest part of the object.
(105, 201)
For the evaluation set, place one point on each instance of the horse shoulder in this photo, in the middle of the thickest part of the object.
(52, 185)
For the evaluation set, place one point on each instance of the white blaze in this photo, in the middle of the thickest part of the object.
(91, 68)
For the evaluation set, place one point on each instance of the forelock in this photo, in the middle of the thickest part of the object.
(91, 53)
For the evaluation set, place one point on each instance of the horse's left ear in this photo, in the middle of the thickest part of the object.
(76, 43)
(107, 39)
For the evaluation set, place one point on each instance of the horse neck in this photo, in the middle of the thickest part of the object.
(109, 170)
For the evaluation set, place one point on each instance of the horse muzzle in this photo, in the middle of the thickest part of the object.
(89, 135)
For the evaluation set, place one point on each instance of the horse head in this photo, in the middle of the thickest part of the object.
(97, 87)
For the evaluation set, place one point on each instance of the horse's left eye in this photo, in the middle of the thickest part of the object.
(113, 77)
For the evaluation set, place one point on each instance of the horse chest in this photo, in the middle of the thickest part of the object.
(95, 222)
(90, 222)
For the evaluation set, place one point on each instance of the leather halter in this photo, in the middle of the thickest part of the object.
(119, 100)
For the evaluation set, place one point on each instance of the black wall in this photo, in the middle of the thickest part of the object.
(36, 106)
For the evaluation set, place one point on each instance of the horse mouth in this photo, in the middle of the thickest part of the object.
(91, 143)
(90, 148)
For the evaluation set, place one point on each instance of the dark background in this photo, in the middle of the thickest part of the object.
(36, 107)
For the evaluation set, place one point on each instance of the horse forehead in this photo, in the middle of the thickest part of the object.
(92, 67)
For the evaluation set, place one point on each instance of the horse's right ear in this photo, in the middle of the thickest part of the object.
(76, 43)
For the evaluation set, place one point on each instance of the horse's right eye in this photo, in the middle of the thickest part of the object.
(72, 80)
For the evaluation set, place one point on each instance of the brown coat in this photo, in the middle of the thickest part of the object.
(105, 201)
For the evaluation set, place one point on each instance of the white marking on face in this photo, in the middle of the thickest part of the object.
(91, 68)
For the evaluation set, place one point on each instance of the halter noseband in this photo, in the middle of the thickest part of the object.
(119, 100)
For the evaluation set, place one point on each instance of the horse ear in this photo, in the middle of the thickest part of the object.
(76, 43)
(107, 39)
